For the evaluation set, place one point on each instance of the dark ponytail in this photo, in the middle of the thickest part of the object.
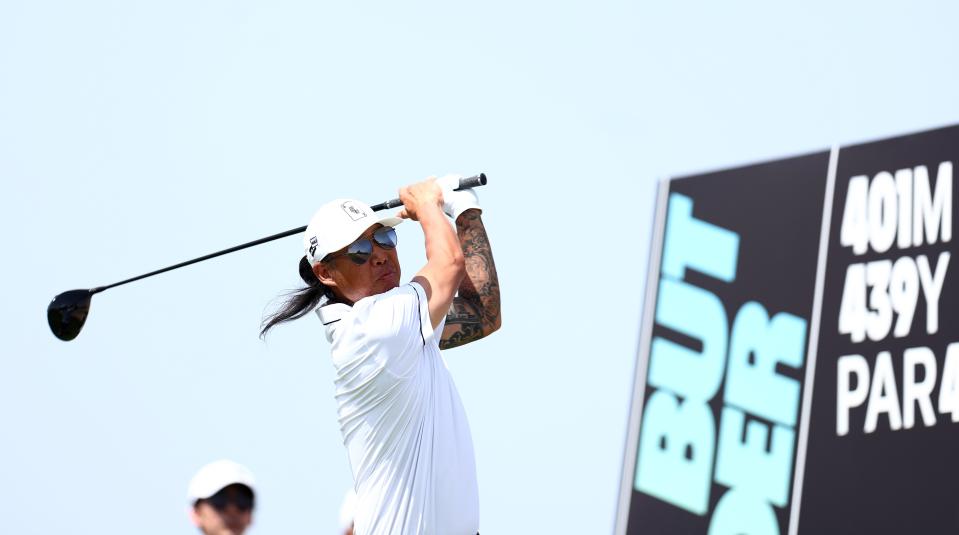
(298, 302)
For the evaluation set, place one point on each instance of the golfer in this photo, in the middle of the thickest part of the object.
(400, 415)
(221, 498)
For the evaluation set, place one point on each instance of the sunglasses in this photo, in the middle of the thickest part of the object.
(241, 498)
(361, 250)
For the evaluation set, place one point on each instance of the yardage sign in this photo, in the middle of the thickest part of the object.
(798, 369)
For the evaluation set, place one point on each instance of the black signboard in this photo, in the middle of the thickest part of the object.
(798, 370)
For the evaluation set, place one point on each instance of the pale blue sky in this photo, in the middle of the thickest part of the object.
(134, 135)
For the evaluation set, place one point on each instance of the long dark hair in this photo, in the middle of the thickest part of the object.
(298, 302)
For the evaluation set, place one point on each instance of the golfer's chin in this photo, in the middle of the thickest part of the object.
(232, 530)
(385, 284)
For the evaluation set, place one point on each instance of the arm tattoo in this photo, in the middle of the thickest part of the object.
(475, 312)
(463, 325)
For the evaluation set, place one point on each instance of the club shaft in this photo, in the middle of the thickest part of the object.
(470, 182)
(202, 258)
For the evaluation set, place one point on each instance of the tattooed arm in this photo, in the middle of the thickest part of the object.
(475, 312)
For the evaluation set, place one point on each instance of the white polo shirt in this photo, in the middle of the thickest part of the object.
(402, 421)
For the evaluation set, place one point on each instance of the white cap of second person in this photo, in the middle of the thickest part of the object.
(216, 476)
(348, 509)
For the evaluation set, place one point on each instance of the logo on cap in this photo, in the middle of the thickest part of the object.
(356, 213)
(313, 246)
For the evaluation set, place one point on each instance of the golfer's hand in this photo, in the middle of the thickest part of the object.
(457, 202)
(420, 197)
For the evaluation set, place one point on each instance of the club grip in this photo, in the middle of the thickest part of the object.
(465, 183)
(472, 182)
(386, 205)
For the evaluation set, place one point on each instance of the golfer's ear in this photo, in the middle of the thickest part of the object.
(322, 272)
(194, 515)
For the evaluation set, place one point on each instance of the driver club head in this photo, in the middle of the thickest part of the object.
(67, 313)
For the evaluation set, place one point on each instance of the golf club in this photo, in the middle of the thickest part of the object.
(68, 311)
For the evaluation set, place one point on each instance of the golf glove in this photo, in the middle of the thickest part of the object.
(456, 202)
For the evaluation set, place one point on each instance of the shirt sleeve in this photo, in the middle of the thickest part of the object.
(401, 317)
(426, 323)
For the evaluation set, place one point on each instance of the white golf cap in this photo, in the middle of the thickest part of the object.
(337, 224)
(216, 476)
(347, 509)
